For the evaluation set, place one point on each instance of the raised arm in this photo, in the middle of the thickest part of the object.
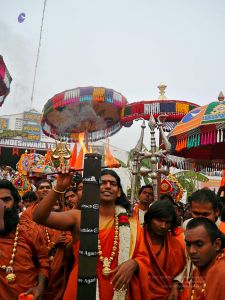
(68, 220)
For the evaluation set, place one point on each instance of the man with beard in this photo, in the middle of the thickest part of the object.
(126, 256)
(146, 197)
(167, 257)
(205, 245)
(22, 268)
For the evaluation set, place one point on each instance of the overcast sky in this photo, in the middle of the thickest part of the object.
(128, 45)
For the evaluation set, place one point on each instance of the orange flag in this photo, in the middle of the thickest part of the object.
(74, 156)
(79, 160)
(222, 183)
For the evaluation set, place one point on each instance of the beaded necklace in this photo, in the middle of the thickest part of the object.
(50, 245)
(106, 261)
(10, 275)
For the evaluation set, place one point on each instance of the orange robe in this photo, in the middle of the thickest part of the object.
(179, 235)
(138, 288)
(165, 267)
(209, 284)
(28, 262)
(222, 227)
(57, 276)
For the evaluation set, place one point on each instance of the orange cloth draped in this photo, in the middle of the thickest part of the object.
(222, 227)
(179, 235)
(57, 276)
(135, 211)
(213, 280)
(28, 262)
(165, 267)
(138, 287)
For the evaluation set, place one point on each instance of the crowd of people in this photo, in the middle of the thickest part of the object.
(152, 251)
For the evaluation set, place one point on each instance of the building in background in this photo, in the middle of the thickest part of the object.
(21, 132)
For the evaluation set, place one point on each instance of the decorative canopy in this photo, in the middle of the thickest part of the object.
(174, 109)
(94, 110)
(101, 112)
(201, 133)
(5, 80)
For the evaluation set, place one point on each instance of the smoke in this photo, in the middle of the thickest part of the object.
(77, 117)
(19, 59)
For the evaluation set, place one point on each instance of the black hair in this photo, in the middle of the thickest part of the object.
(122, 200)
(30, 196)
(161, 209)
(42, 181)
(71, 189)
(167, 197)
(6, 184)
(147, 186)
(210, 227)
(205, 196)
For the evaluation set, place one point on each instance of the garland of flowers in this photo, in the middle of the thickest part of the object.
(124, 248)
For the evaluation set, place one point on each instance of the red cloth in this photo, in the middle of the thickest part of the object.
(165, 267)
(28, 262)
(138, 287)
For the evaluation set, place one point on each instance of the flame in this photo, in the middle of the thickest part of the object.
(110, 160)
(81, 141)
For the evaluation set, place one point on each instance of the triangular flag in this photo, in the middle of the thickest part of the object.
(79, 162)
(74, 156)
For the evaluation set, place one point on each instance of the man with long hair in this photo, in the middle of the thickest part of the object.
(167, 257)
(128, 277)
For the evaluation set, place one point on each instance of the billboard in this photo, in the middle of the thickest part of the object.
(32, 117)
(4, 123)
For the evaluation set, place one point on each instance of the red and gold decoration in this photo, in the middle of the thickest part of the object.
(22, 184)
(170, 185)
(61, 155)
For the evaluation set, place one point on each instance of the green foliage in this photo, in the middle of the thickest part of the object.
(189, 180)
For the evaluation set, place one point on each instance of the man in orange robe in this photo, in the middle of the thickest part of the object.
(203, 203)
(23, 268)
(167, 257)
(146, 197)
(205, 245)
(129, 277)
(55, 243)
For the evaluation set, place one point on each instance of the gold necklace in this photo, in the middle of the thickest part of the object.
(50, 244)
(11, 277)
(106, 261)
(193, 290)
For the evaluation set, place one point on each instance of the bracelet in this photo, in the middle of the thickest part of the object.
(59, 192)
